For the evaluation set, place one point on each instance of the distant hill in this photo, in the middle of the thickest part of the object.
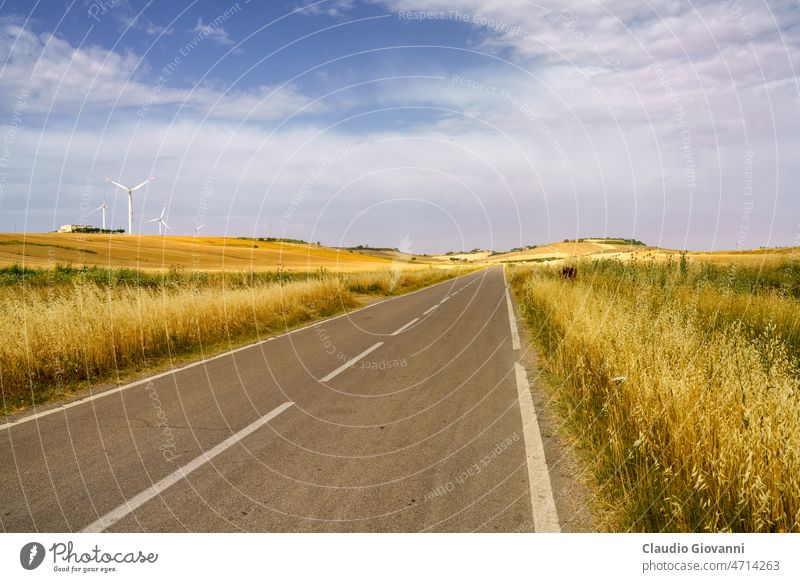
(572, 248)
(388, 253)
(547, 252)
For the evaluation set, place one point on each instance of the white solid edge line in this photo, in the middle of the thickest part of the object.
(545, 516)
(350, 362)
(431, 309)
(156, 489)
(146, 379)
(443, 300)
(512, 322)
(406, 326)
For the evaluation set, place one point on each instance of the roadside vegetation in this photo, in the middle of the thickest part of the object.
(680, 381)
(66, 328)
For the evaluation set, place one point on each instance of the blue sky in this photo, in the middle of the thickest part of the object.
(453, 124)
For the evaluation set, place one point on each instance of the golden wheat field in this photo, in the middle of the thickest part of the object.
(679, 380)
(162, 252)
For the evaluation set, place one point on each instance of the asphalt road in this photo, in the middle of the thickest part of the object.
(409, 415)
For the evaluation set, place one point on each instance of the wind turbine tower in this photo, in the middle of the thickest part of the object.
(160, 220)
(102, 207)
(130, 192)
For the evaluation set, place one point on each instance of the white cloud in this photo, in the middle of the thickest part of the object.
(619, 36)
(127, 16)
(724, 71)
(334, 8)
(63, 78)
(216, 33)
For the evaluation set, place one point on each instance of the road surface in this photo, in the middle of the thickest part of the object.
(412, 414)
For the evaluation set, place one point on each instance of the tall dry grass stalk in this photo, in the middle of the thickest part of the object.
(693, 419)
(57, 337)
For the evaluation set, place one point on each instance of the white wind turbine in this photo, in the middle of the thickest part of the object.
(130, 199)
(102, 207)
(160, 221)
(197, 229)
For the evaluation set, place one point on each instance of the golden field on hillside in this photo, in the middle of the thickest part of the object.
(679, 379)
(545, 252)
(162, 252)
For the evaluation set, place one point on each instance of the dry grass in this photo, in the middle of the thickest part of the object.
(681, 382)
(71, 333)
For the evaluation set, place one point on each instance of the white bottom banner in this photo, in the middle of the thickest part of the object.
(386, 557)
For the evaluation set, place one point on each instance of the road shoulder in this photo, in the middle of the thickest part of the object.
(576, 501)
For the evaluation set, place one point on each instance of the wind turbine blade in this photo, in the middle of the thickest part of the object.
(165, 225)
(153, 219)
(145, 183)
(116, 183)
(95, 210)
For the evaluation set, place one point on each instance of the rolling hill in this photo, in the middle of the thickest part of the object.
(157, 252)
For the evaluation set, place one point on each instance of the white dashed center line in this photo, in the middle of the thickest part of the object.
(156, 489)
(350, 362)
(406, 326)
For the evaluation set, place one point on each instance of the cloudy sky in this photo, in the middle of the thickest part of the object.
(450, 123)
